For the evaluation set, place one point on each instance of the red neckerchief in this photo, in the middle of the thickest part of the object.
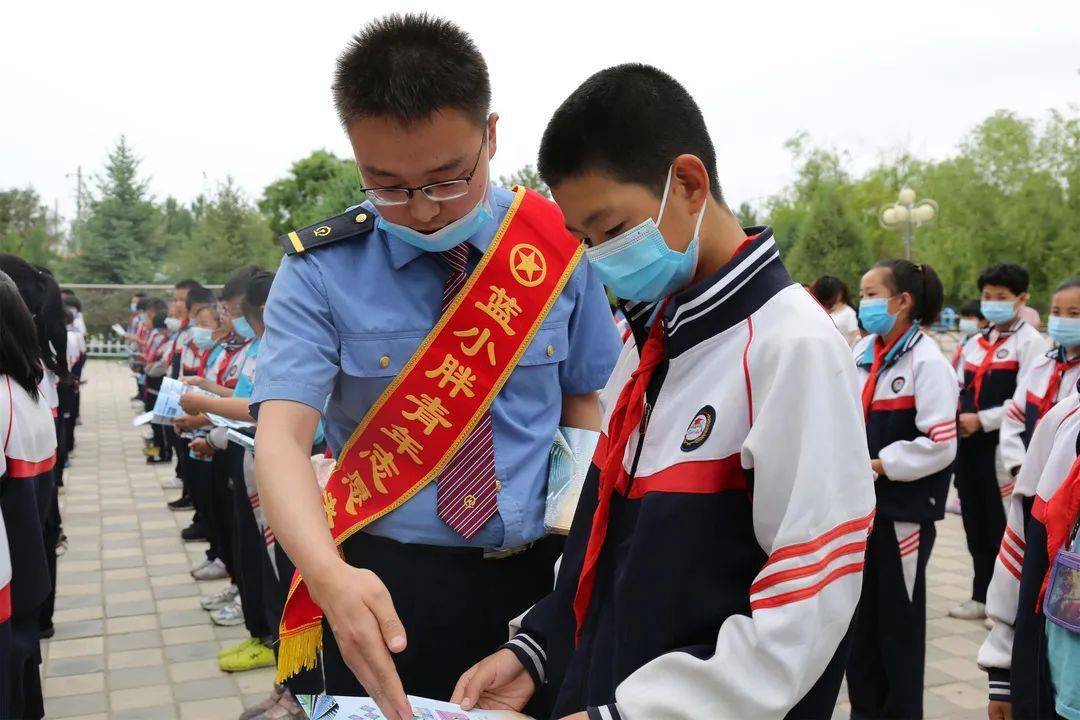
(980, 372)
(228, 353)
(1060, 368)
(880, 351)
(1061, 512)
(201, 371)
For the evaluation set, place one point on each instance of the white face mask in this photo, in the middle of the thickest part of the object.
(172, 324)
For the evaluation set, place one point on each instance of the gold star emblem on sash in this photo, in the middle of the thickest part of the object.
(527, 265)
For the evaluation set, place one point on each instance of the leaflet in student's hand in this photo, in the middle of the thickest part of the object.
(326, 707)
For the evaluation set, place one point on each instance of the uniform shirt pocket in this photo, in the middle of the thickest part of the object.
(378, 355)
(549, 345)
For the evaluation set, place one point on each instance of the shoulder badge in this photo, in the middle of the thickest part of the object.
(340, 227)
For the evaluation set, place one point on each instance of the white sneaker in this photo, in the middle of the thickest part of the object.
(220, 599)
(231, 614)
(210, 570)
(969, 610)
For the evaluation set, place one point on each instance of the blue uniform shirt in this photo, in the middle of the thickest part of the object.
(343, 320)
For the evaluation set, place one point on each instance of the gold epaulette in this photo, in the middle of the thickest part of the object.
(347, 225)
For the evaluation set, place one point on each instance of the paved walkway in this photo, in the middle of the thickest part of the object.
(132, 642)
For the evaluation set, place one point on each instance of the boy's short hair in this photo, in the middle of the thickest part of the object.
(972, 308)
(630, 122)
(188, 285)
(236, 285)
(1008, 275)
(409, 66)
(199, 296)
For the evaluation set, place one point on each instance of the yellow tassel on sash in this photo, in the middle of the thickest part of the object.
(298, 652)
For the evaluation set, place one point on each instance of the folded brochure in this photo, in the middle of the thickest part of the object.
(338, 707)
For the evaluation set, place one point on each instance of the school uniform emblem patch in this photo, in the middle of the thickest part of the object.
(898, 384)
(700, 428)
(1002, 353)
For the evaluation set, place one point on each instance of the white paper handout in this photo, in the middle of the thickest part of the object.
(241, 439)
(325, 707)
(571, 455)
(119, 330)
(226, 422)
(167, 406)
(143, 419)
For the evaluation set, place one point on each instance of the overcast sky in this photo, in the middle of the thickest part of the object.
(206, 89)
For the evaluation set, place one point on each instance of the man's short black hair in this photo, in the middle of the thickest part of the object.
(1009, 275)
(188, 285)
(972, 308)
(199, 296)
(630, 122)
(407, 67)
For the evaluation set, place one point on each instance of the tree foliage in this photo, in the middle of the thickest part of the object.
(316, 187)
(25, 227)
(526, 176)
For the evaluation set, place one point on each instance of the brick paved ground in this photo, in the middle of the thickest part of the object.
(131, 641)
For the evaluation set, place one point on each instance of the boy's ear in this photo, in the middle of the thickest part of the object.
(1023, 297)
(689, 172)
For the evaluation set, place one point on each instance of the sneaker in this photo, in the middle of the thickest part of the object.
(220, 599)
(210, 570)
(181, 503)
(257, 655)
(969, 610)
(240, 647)
(61, 545)
(952, 505)
(256, 711)
(231, 614)
(193, 533)
(156, 460)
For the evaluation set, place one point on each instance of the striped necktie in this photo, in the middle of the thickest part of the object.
(467, 485)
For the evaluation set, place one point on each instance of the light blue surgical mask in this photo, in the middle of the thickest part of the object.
(639, 264)
(202, 337)
(243, 328)
(875, 317)
(998, 312)
(134, 307)
(968, 326)
(172, 324)
(444, 238)
(1064, 330)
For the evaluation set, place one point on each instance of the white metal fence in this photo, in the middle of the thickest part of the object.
(106, 347)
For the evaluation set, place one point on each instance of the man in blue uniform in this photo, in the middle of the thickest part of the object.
(350, 306)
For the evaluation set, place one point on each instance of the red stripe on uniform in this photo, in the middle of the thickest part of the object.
(1015, 538)
(807, 570)
(1007, 549)
(904, 402)
(5, 603)
(820, 541)
(1009, 566)
(746, 370)
(700, 477)
(796, 595)
(909, 541)
(27, 469)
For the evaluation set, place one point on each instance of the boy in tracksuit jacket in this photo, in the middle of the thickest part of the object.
(715, 560)
(990, 364)
(909, 395)
(1014, 653)
(1051, 378)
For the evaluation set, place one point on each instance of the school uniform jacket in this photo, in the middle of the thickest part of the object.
(910, 425)
(1014, 653)
(733, 563)
(1053, 374)
(192, 359)
(988, 371)
(28, 434)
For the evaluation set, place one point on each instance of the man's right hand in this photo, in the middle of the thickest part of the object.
(367, 629)
(498, 682)
(998, 710)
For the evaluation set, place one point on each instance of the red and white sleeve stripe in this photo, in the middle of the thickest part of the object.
(943, 432)
(800, 571)
(909, 544)
(1011, 554)
(1014, 412)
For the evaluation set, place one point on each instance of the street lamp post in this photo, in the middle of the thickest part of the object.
(907, 214)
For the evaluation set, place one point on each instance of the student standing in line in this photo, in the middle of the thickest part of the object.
(990, 364)
(833, 295)
(909, 395)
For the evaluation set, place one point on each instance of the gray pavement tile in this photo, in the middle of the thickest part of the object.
(65, 707)
(133, 641)
(177, 618)
(159, 712)
(74, 666)
(205, 689)
(137, 677)
(192, 651)
(79, 629)
(123, 609)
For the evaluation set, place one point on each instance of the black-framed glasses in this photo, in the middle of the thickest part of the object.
(437, 191)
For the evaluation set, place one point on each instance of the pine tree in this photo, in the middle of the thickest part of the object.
(118, 240)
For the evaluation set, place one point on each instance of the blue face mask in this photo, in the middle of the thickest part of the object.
(874, 316)
(968, 327)
(172, 324)
(444, 238)
(1064, 330)
(998, 312)
(639, 264)
(202, 337)
(133, 307)
(243, 328)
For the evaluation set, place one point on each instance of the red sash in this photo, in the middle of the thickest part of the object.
(413, 430)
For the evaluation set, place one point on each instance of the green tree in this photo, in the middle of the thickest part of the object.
(25, 227)
(526, 176)
(746, 215)
(316, 187)
(229, 232)
(119, 240)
